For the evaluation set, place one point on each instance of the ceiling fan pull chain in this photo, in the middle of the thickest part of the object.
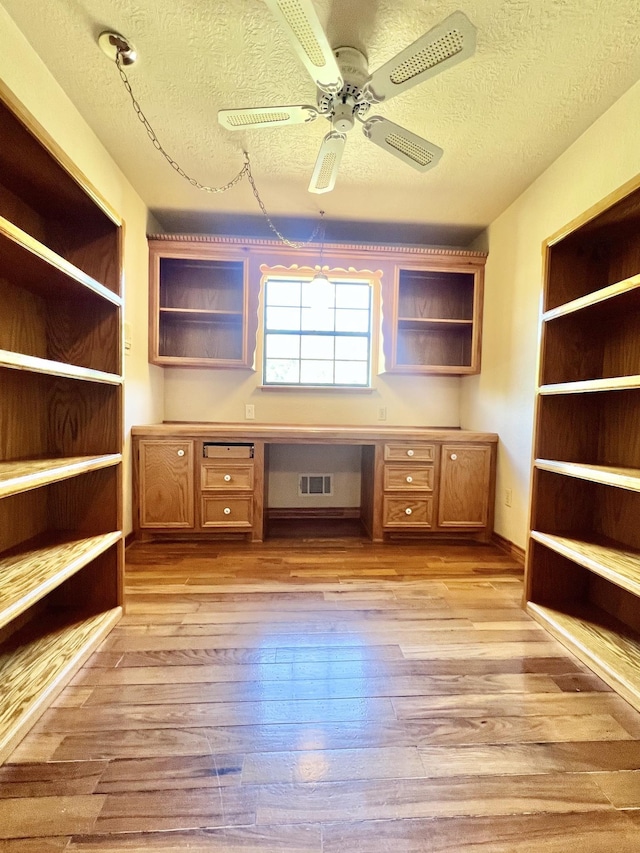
(158, 145)
(121, 59)
(281, 237)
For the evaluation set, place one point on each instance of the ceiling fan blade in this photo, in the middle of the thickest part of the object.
(450, 42)
(325, 171)
(266, 116)
(299, 20)
(408, 147)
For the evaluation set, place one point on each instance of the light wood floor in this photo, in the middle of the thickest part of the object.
(327, 696)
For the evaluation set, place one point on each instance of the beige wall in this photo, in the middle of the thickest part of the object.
(502, 397)
(24, 73)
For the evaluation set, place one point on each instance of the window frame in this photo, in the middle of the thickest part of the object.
(337, 276)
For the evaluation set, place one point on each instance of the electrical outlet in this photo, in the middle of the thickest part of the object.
(382, 413)
(508, 497)
(249, 412)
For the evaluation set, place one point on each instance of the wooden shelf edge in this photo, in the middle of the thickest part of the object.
(21, 476)
(602, 295)
(205, 313)
(614, 383)
(603, 560)
(62, 558)
(55, 668)
(574, 632)
(48, 257)
(34, 364)
(622, 478)
(436, 321)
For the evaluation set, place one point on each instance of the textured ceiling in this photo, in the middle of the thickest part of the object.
(543, 71)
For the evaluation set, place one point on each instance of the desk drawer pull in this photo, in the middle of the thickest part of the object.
(408, 511)
(181, 453)
(409, 479)
(227, 511)
(453, 457)
(227, 478)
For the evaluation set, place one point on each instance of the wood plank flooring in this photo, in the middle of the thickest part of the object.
(327, 696)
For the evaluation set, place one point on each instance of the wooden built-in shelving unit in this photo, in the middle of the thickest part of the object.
(437, 319)
(198, 306)
(61, 547)
(583, 561)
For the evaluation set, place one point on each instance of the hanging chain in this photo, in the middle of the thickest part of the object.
(246, 169)
(280, 236)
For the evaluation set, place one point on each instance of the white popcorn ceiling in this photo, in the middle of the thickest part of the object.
(543, 71)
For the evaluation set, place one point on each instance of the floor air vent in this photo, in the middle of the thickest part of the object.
(315, 484)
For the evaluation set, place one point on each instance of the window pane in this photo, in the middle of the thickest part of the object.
(283, 346)
(316, 346)
(282, 370)
(351, 373)
(316, 372)
(283, 318)
(352, 349)
(353, 296)
(283, 293)
(317, 319)
(348, 320)
(318, 295)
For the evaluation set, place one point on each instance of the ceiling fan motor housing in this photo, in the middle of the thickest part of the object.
(341, 108)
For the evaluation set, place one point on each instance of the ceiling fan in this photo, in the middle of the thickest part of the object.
(346, 90)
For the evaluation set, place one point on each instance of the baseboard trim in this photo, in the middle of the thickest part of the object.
(508, 547)
(312, 512)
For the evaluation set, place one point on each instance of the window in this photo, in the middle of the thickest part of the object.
(317, 332)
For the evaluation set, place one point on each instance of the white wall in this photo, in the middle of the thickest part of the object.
(26, 76)
(502, 397)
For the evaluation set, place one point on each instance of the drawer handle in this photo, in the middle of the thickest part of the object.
(409, 452)
(181, 453)
(408, 511)
(409, 479)
(227, 511)
(227, 478)
(453, 457)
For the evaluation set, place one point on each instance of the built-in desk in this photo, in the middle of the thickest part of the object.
(209, 479)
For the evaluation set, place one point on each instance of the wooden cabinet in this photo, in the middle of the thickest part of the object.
(436, 318)
(583, 562)
(413, 481)
(227, 481)
(61, 547)
(199, 305)
(465, 485)
(408, 480)
(166, 484)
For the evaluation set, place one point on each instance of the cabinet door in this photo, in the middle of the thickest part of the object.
(166, 483)
(465, 484)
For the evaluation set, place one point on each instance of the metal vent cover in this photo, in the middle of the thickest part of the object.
(315, 484)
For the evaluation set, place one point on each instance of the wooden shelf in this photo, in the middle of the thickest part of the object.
(39, 269)
(619, 565)
(582, 575)
(615, 383)
(36, 662)
(201, 314)
(628, 290)
(606, 645)
(22, 475)
(39, 568)
(61, 420)
(33, 364)
(623, 478)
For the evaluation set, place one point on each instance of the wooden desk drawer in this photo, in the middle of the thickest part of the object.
(406, 452)
(226, 511)
(407, 512)
(408, 478)
(229, 478)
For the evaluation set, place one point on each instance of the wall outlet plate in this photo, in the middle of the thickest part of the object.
(249, 412)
